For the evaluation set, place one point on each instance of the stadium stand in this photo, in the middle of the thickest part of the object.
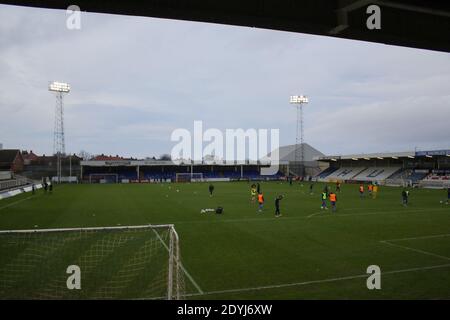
(433, 177)
(345, 173)
(400, 178)
(390, 175)
(407, 177)
(416, 176)
(11, 162)
(405, 168)
(439, 175)
(37, 167)
(325, 173)
(13, 183)
(436, 179)
(168, 172)
(376, 173)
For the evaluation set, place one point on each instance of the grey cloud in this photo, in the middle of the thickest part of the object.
(134, 79)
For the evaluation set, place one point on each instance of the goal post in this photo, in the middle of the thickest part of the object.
(189, 177)
(132, 262)
(103, 178)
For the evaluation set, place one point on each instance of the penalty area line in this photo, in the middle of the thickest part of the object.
(15, 202)
(419, 237)
(415, 250)
(314, 214)
(286, 285)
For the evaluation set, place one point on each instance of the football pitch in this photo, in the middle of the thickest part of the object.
(307, 253)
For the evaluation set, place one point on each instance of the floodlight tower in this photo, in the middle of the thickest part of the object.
(299, 101)
(59, 150)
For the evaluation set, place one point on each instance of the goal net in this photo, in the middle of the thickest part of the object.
(189, 177)
(103, 178)
(136, 262)
(398, 182)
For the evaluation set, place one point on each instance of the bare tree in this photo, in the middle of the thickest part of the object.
(84, 155)
(165, 157)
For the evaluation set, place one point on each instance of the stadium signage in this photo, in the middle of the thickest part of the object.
(432, 153)
(117, 163)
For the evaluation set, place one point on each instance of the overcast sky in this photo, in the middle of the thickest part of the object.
(134, 80)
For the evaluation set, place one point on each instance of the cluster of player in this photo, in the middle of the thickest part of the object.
(330, 195)
(48, 187)
(372, 189)
(256, 194)
(218, 210)
(326, 195)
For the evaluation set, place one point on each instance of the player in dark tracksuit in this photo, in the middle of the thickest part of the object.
(211, 190)
(405, 198)
(277, 206)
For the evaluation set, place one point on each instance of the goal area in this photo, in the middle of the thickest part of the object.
(134, 262)
(103, 178)
(189, 177)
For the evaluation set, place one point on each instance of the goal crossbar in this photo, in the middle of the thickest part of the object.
(151, 226)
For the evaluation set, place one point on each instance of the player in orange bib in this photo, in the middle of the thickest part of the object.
(260, 202)
(333, 200)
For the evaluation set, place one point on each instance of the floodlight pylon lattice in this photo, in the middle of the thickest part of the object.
(59, 147)
(299, 153)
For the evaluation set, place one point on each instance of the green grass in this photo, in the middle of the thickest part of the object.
(305, 254)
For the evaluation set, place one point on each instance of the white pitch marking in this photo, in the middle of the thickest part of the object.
(14, 203)
(420, 237)
(316, 281)
(306, 217)
(416, 250)
(314, 214)
(182, 267)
